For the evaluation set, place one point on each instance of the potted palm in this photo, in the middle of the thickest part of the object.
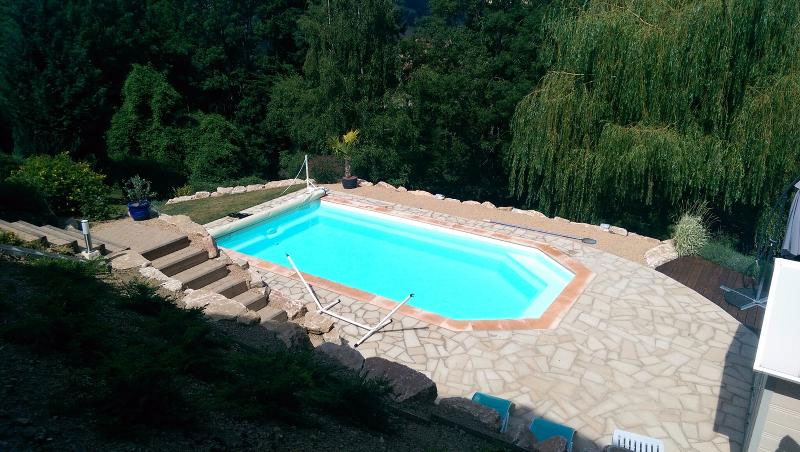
(345, 147)
(138, 191)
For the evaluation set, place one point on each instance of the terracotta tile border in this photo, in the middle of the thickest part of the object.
(548, 320)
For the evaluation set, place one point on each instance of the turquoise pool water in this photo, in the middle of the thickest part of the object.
(451, 273)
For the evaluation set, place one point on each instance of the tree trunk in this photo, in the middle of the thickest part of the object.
(347, 167)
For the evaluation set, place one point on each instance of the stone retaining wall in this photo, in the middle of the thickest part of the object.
(232, 190)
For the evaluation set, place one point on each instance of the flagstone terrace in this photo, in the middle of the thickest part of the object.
(637, 351)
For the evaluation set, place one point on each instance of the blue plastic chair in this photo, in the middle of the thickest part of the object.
(502, 406)
(543, 430)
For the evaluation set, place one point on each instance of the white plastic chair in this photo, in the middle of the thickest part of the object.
(636, 443)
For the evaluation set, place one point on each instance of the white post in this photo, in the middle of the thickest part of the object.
(305, 162)
(319, 305)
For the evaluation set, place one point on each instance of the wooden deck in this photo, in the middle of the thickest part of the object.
(705, 277)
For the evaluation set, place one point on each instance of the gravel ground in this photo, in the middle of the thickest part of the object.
(630, 247)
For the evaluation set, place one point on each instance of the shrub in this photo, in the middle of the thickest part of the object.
(183, 190)
(70, 188)
(138, 189)
(325, 169)
(691, 234)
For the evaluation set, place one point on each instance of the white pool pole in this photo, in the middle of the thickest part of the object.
(308, 288)
(386, 320)
(305, 162)
(87, 236)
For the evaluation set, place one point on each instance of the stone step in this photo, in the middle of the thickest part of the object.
(180, 260)
(52, 239)
(161, 249)
(203, 274)
(252, 299)
(96, 246)
(268, 313)
(111, 247)
(27, 237)
(229, 286)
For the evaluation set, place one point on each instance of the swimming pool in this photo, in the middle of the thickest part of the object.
(454, 274)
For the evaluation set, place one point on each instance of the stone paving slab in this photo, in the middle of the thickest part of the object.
(136, 236)
(638, 351)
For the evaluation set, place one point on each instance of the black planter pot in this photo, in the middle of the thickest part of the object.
(350, 182)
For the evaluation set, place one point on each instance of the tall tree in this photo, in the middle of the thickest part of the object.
(656, 105)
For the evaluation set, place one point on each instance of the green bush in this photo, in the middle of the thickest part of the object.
(691, 234)
(70, 188)
(325, 169)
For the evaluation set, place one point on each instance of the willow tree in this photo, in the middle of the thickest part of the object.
(660, 104)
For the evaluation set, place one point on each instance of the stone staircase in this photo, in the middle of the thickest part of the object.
(68, 238)
(172, 257)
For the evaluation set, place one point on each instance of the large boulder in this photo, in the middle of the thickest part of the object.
(127, 260)
(293, 336)
(293, 308)
(184, 224)
(520, 434)
(317, 323)
(408, 385)
(216, 306)
(554, 444)
(340, 355)
(469, 412)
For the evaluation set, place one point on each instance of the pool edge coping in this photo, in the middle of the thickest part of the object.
(550, 319)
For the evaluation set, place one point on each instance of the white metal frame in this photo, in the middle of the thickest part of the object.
(636, 443)
(326, 309)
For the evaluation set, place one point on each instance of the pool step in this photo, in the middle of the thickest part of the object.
(203, 274)
(253, 300)
(166, 247)
(25, 236)
(229, 286)
(180, 260)
(52, 238)
(81, 242)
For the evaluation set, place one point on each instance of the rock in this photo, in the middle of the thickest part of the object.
(488, 204)
(660, 254)
(506, 208)
(254, 187)
(153, 273)
(239, 189)
(224, 190)
(215, 306)
(452, 200)
(256, 280)
(214, 194)
(421, 193)
(554, 444)
(293, 308)
(248, 317)
(291, 334)
(333, 337)
(530, 213)
(317, 323)
(618, 230)
(342, 355)
(471, 412)
(520, 434)
(439, 196)
(364, 183)
(239, 262)
(385, 185)
(471, 203)
(201, 195)
(127, 260)
(211, 246)
(316, 340)
(401, 188)
(408, 385)
(173, 285)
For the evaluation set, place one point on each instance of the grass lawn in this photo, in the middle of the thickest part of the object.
(205, 210)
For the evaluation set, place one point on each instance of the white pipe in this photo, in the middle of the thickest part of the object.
(308, 288)
(386, 320)
(324, 309)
